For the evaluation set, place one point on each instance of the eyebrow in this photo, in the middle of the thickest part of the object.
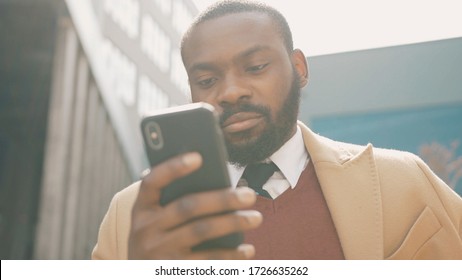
(205, 66)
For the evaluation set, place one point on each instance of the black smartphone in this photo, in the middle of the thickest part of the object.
(190, 128)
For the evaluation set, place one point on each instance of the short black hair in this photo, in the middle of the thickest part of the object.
(227, 7)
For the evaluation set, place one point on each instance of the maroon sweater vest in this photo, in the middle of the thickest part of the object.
(296, 225)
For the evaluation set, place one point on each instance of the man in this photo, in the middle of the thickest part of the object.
(326, 200)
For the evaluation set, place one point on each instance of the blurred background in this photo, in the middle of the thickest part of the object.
(76, 76)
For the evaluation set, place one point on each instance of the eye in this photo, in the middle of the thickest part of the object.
(207, 82)
(257, 68)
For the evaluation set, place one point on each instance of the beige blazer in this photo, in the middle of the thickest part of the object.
(385, 204)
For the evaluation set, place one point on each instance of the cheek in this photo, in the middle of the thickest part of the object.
(277, 91)
(196, 97)
(207, 98)
(199, 98)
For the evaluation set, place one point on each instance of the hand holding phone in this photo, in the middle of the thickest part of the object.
(177, 226)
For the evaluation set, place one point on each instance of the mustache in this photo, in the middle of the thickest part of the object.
(245, 107)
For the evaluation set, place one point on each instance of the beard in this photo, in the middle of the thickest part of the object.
(276, 133)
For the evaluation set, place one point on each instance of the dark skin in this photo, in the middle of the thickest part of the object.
(231, 59)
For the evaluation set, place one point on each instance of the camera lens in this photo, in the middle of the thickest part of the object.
(154, 135)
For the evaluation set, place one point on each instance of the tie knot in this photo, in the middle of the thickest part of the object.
(257, 174)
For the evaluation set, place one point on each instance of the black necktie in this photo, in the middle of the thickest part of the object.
(257, 174)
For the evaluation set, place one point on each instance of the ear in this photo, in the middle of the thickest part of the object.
(301, 66)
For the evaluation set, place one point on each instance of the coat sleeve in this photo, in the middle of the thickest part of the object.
(113, 234)
(106, 246)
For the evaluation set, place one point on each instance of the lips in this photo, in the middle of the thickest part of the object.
(241, 121)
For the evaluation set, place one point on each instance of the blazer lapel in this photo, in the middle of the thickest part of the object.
(351, 187)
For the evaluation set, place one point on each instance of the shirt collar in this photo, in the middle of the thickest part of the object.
(291, 159)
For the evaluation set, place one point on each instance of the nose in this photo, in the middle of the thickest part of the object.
(235, 90)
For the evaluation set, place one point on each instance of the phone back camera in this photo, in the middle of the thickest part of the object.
(154, 136)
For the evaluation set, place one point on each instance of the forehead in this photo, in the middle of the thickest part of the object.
(228, 35)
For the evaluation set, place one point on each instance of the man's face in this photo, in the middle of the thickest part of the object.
(239, 64)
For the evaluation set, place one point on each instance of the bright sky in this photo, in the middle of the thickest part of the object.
(331, 26)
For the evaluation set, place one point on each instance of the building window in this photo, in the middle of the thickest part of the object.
(150, 97)
(164, 6)
(181, 17)
(155, 43)
(178, 74)
(126, 14)
(120, 73)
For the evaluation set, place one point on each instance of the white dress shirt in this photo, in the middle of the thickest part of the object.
(291, 159)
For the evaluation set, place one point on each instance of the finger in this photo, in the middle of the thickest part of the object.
(165, 173)
(177, 244)
(203, 229)
(206, 203)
